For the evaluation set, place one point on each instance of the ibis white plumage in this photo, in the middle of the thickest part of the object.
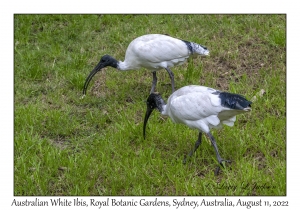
(153, 52)
(200, 108)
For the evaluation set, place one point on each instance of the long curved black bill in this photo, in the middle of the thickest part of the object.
(89, 78)
(147, 115)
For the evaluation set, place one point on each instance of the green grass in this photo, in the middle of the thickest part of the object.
(64, 145)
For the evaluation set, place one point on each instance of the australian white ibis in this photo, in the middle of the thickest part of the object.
(153, 52)
(200, 108)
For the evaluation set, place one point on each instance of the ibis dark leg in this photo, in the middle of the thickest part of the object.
(172, 79)
(197, 144)
(220, 160)
(154, 81)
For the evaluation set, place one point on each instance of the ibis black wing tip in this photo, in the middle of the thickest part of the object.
(234, 101)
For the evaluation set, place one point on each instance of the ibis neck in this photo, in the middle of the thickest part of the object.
(124, 66)
(160, 104)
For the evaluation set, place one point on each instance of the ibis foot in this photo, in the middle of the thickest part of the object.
(217, 170)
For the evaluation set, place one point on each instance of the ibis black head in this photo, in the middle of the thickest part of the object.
(154, 100)
(106, 60)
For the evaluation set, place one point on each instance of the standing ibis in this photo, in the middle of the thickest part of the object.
(153, 52)
(200, 108)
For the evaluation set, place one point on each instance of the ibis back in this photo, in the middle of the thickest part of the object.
(156, 51)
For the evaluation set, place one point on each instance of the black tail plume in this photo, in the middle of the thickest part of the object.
(234, 101)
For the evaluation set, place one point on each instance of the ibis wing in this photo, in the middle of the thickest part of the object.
(194, 106)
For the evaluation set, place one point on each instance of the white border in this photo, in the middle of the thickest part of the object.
(11, 7)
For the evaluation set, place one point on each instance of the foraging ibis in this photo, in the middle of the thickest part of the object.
(153, 52)
(200, 108)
